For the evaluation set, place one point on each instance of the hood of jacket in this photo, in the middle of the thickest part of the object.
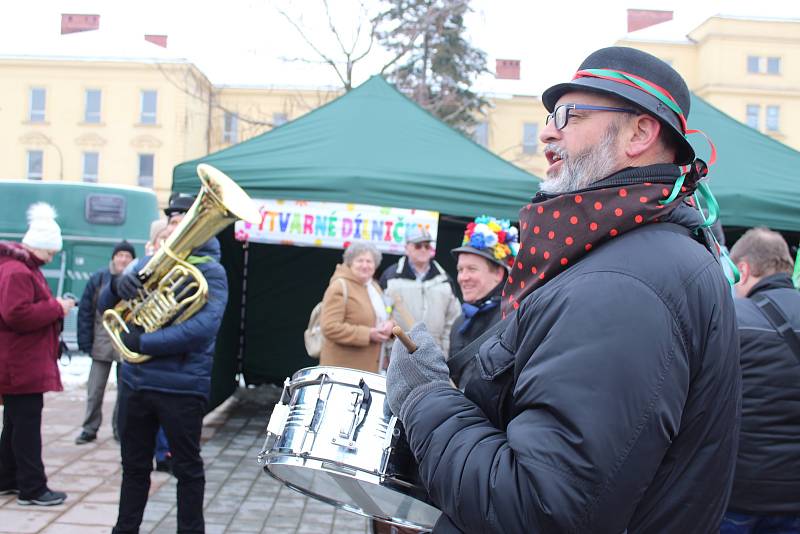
(15, 251)
(773, 281)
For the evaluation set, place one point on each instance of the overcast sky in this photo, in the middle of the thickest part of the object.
(249, 42)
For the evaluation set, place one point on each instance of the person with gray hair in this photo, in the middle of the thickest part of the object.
(766, 484)
(355, 317)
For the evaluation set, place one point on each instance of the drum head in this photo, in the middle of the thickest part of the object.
(356, 491)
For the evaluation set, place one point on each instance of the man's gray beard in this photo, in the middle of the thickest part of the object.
(583, 169)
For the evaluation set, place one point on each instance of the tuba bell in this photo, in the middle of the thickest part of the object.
(173, 289)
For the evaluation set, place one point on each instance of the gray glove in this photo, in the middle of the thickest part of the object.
(408, 372)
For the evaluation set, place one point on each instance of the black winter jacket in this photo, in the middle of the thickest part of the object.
(87, 309)
(767, 477)
(609, 404)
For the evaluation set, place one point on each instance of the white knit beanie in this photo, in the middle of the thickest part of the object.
(43, 230)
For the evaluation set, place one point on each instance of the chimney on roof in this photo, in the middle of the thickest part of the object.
(507, 69)
(644, 18)
(160, 40)
(73, 22)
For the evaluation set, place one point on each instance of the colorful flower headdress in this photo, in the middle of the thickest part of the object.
(494, 236)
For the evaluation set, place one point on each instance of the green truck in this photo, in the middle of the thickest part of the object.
(93, 218)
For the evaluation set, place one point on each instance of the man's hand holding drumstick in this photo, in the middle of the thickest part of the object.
(416, 363)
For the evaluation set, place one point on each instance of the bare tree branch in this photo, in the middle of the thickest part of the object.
(319, 52)
(303, 60)
(184, 87)
(332, 27)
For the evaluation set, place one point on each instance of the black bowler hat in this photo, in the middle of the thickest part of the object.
(178, 203)
(638, 68)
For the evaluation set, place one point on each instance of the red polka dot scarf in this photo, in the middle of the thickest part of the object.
(556, 232)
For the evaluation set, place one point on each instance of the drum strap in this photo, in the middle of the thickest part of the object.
(462, 359)
(779, 322)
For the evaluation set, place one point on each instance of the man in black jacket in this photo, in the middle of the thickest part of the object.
(95, 341)
(609, 402)
(766, 488)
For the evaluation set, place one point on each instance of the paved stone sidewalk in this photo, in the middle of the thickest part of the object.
(239, 497)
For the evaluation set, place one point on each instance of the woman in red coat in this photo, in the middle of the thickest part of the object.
(30, 322)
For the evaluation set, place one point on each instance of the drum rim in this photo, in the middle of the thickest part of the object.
(338, 375)
(344, 506)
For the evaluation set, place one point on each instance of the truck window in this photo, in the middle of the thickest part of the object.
(105, 209)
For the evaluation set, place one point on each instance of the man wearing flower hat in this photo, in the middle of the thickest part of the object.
(30, 324)
(484, 258)
(609, 400)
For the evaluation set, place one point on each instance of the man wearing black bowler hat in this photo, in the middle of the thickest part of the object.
(608, 401)
(169, 390)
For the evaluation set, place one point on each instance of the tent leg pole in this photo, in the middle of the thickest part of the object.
(243, 314)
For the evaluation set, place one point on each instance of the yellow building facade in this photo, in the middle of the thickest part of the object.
(748, 68)
(129, 122)
(240, 113)
(513, 126)
(115, 122)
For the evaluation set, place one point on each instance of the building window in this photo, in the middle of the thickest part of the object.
(35, 164)
(773, 118)
(278, 119)
(530, 137)
(773, 65)
(753, 111)
(481, 134)
(36, 107)
(92, 114)
(230, 132)
(752, 64)
(91, 163)
(763, 65)
(146, 166)
(148, 114)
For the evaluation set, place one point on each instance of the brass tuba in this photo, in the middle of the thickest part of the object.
(173, 289)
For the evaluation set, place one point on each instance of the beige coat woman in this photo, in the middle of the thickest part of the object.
(353, 337)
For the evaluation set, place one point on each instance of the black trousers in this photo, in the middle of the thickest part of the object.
(21, 464)
(140, 414)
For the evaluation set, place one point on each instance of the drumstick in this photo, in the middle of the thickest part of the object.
(402, 336)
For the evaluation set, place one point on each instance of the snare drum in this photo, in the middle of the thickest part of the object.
(332, 437)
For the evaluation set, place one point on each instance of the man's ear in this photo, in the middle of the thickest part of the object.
(641, 134)
(498, 275)
(744, 271)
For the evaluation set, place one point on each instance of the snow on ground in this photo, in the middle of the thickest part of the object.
(75, 372)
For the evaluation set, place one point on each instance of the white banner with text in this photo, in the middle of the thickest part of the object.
(334, 225)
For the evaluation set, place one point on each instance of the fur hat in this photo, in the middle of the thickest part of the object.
(124, 246)
(43, 230)
(639, 78)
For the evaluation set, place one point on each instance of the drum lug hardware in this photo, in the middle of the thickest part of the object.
(344, 442)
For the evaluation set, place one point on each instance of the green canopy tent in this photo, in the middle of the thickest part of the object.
(756, 179)
(370, 146)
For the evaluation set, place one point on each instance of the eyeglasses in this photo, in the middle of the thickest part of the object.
(562, 113)
(424, 245)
